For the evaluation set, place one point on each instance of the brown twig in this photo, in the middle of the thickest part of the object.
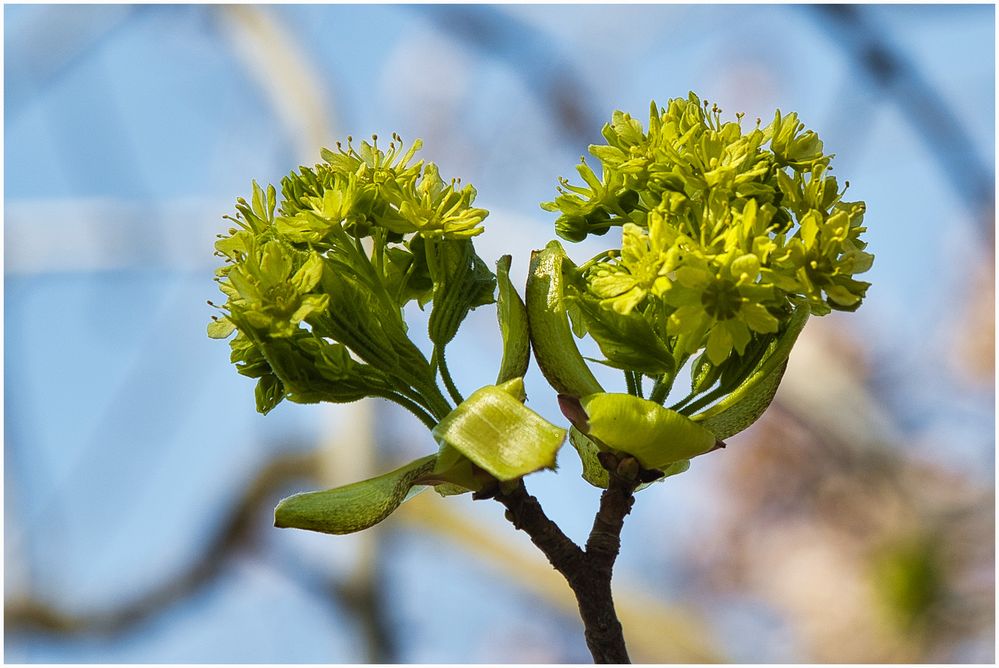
(588, 571)
(526, 514)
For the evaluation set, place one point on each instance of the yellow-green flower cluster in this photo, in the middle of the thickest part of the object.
(722, 230)
(371, 188)
(329, 269)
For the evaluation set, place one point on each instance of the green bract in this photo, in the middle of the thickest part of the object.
(657, 437)
(500, 435)
(353, 507)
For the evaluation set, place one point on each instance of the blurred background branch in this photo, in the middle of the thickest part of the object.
(892, 73)
(236, 534)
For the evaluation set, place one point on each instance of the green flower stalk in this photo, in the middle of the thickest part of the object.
(729, 241)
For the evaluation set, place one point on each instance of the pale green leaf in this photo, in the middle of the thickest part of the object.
(308, 275)
(554, 346)
(221, 328)
(746, 265)
(462, 283)
(501, 435)
(259, 199)
(758, 318)
(655, 436)
(719, 344)
(268, 393)
(810, 228)
(593, 471)
(841, 295)
(628, 341)
(353, 507)
(512, 315)
(275, 263)
(744, 405)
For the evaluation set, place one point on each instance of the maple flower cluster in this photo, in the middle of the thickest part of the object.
(723, 232)
(316, 286)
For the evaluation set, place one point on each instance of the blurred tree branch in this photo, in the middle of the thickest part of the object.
(531, 55)
(888, 68)
(235, 534)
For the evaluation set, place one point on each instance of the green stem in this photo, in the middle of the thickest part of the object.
(432, 399)
(446, 375)
(378, 252)
(714, 394)
(661, 388)
(430, 249)
(700, 403)
(629, 379)
(413, 407)
(683, 402)
(599, 257)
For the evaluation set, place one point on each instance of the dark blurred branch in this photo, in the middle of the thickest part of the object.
(235, 534)
(366, 597)
(531, 54)
(527, 515)
(930, 114)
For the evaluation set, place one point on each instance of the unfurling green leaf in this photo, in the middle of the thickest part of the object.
(352, 507)
(268, 393)
(554, 346)
(657, 437)
(512, 316)
(499, 434)
(745, 404)
(627, 340)
(462, 282)
(595, 473)
(221, 328)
